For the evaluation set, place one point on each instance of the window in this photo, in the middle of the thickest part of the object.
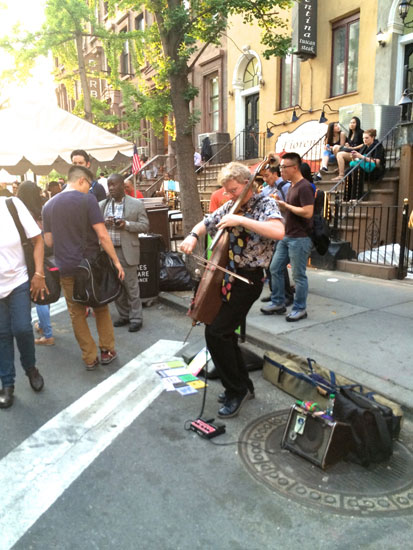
(139, 22)
(251, 74)
(289, 81)
(344, 57)
(213, 103)
(124, 58)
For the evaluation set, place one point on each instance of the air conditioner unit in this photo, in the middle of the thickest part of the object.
(380, 117)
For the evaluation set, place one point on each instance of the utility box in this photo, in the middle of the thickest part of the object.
(220, 144)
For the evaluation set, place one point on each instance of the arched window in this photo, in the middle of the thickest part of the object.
(251, 77)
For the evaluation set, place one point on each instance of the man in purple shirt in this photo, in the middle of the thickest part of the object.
(295, 247)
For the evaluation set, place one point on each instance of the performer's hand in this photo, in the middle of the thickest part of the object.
(230, 220)
(188, 244)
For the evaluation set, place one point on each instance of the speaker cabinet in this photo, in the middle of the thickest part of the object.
(319, 440)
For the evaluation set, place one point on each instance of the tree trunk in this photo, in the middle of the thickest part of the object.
(87, 105)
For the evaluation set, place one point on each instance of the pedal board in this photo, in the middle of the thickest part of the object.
(206, 429)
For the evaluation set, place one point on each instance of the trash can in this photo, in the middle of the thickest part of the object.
(148, 268)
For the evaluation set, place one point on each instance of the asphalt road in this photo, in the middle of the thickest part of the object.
(91, 463)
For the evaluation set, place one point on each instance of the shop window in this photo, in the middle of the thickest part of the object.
(251, 76)
(289, 81)
(344, 69)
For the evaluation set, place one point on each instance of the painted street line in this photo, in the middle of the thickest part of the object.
(55, 308)
(37, 472)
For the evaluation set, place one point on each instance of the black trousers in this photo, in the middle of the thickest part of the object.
(221, 339)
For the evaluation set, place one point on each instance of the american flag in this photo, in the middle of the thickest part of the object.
(136, 161)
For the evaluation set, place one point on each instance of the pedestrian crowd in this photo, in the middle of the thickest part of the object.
(70, 221)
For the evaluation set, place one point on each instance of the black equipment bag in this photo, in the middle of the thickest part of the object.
(372, 425)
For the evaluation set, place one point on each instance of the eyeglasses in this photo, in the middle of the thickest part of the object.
(283, 166)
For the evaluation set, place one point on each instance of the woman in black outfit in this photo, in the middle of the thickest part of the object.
(354, 143)
(372, 164)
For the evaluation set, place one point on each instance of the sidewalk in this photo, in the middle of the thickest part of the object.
(358, 326)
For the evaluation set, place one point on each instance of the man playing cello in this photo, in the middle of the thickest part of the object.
(252, 231)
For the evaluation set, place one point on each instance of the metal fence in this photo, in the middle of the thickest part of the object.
(377, 234)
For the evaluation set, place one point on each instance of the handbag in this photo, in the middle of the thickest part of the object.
(364, 165)
(96, 281)
(51, 272)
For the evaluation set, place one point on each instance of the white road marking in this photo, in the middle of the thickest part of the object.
(38, 471)
(55, 308)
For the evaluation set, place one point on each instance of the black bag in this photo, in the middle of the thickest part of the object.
(51, 272)
(372, 425)
(320, 234)
(173, 273)
(96, 281)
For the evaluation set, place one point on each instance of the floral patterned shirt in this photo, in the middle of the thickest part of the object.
(255, 250)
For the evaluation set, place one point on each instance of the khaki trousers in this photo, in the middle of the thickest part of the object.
(81, 328)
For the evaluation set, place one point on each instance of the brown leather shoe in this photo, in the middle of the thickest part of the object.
(43, 341)
(35, 379)
(6, 397)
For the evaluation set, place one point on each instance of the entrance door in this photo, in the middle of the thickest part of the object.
(251, 143)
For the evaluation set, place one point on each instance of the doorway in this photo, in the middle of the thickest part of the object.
(251, 138)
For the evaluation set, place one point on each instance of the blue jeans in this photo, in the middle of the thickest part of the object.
(16, 322)
(43, 313)
(296, 252)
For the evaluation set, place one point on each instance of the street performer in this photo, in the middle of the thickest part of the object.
(252, 233)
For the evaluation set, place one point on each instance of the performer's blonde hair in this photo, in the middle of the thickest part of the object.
(234, 171)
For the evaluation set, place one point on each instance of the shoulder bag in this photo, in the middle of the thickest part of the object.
(51, 272)
(96, 280)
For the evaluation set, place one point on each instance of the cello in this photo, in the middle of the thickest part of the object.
(208, 297)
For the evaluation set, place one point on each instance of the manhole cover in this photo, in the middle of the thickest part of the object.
(349, 489)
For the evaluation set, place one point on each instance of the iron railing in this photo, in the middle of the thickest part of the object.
(377, 234)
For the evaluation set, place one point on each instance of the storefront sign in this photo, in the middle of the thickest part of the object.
(304, 23)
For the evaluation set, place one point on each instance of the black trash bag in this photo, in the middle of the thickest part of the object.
(173, 273)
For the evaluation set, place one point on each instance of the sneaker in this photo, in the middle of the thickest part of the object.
(266, 299)
(318, 177)
(107, 356)
(271, 308)
(296, 315)
(324, 169)
(43, 341)
(92, 366)
(222, 396)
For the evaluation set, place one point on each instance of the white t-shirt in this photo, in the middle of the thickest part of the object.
(13, 271)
